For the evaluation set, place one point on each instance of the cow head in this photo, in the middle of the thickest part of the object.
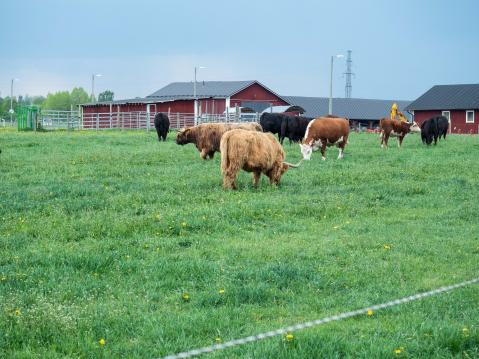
(414, 127)
(306, 151)
(182, 136)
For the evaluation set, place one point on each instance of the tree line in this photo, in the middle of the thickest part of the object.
(61, 100)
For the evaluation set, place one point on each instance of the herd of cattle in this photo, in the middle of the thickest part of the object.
(253, 148)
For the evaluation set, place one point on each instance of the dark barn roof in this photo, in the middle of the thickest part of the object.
(448, 97)
(351, 108)
(204, 89)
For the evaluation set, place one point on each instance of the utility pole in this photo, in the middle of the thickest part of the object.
(195, 100)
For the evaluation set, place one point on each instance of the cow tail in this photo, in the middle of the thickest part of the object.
(224, 152)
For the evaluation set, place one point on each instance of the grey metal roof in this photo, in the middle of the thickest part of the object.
(448, 97)
(121, 102)
(351, 108)
(204, 89)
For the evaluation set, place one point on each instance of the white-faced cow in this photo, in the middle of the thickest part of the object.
(251, 151)
(325, 131)
(394, 128)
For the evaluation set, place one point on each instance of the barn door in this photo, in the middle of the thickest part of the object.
(150, 114)
(447, 114)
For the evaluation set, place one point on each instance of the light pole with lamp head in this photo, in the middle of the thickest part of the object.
(194, 94)
(93, 86)
(11, 112)
(330, 112)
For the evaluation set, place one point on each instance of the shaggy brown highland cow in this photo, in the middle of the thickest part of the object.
(251, 151)
(207, 136)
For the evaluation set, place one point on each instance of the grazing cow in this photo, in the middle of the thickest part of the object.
(271, 122)
(251, 151)
(434, 128)
(207, 136)
(325, 131)
(397, 129)
(162, 125)
(294, 127)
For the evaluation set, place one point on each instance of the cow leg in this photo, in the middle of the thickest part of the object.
(341, 150)
(323, 150)
(386, 140)
(400, 138)
(435, 140)
(256, 177)
(229, 179)
(211, 154)
(203, 153)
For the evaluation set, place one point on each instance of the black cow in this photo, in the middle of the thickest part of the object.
(294, 127)
(162, 125)
(271, 122)
(434, 128)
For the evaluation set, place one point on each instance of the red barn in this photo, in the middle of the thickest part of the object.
(177, 99)
(459, 103)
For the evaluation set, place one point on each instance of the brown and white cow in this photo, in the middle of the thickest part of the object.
(395, 128)
(325, 131)
(207, 136)
(251, 151)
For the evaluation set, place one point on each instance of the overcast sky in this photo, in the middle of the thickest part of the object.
(400, 49)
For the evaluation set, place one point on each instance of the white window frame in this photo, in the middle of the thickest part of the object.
(467, 112)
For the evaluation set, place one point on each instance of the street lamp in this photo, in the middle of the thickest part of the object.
(11, 100)
(331, 84)
(194, 94)
(93, 85)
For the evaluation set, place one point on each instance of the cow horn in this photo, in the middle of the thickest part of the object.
(294, 166)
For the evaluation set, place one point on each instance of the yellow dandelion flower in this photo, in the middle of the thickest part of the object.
(397, 351)
(289, 337)
(336, 227)
(157, 249)
(147, 246)
(4, 278)
(183, 224)
(387, 247)
(221, 291)
(102, 342)
(218, 340)
(18, 312)
(465, 332)
(186, 297)
(158, 216)
(370, 313)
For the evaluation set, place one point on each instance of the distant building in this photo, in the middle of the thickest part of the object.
(214, 97)
(364, 112)
(459, 103)
(219, 97)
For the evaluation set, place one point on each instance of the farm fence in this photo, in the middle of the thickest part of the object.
(314, 323)
(139, 120)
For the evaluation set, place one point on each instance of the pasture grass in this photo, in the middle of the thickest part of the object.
(103, 233)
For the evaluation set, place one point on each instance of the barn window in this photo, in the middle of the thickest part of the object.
(469, 116)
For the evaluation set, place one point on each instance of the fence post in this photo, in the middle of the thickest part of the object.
(178, 121)
(97, 120)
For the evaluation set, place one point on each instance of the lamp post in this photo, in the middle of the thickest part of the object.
(93, 86)
(194, 95)
(11, 100)
(331, 84)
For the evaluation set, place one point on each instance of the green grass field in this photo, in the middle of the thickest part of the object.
(103, 233)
